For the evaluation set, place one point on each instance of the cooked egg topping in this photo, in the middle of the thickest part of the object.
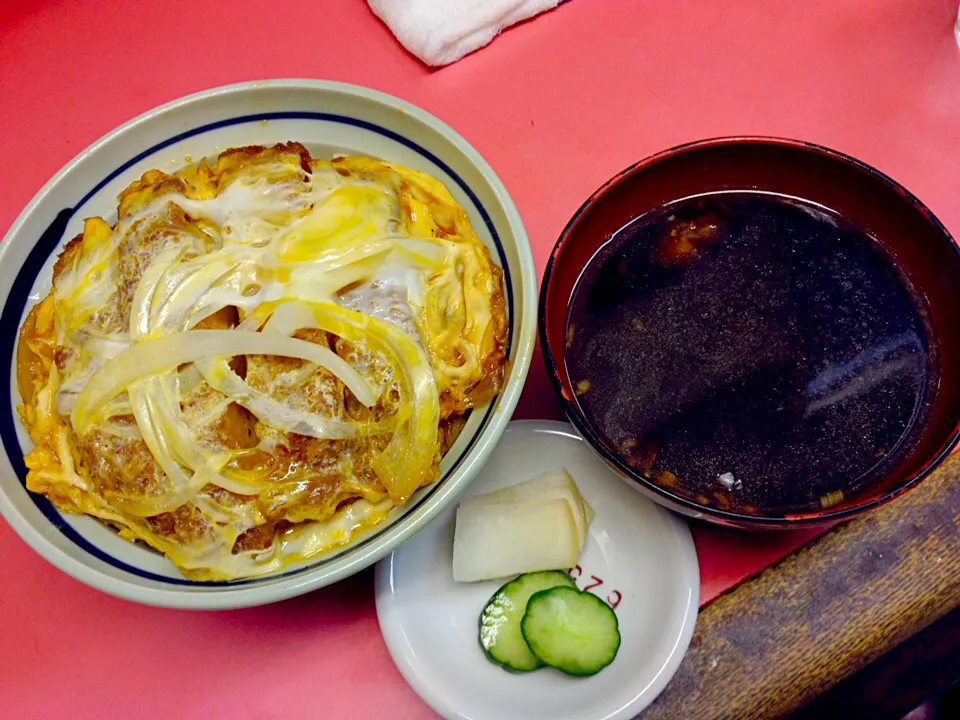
(261, 357)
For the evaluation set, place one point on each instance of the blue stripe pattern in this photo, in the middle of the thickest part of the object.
(47, 245)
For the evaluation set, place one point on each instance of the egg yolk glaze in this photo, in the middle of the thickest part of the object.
(261, 357)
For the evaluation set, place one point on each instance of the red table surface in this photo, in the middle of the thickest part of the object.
(556, 106)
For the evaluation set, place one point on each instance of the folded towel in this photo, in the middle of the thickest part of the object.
(440, 32)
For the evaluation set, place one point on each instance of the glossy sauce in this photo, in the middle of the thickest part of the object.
(750, 351)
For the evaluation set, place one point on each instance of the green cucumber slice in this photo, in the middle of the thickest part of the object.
(572, 631)
(500, 634)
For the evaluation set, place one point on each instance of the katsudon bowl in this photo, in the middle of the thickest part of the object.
(329, 120)
(757, 332)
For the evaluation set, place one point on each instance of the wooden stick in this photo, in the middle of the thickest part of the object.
(924, 667)
(778, 640)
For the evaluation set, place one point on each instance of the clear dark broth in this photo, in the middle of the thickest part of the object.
(750, 351)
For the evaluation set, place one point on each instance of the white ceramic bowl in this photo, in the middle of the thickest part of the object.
(328, 118)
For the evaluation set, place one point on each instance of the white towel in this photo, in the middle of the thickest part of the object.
(440, 32)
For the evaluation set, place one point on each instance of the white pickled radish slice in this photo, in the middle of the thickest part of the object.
(498, 540)
(553, 484)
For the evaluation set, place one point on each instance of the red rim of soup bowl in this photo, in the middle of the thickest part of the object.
(905, 227)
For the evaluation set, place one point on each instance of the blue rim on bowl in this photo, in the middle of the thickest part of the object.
(335, 117)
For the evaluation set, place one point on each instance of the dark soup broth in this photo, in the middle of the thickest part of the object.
(750, 351)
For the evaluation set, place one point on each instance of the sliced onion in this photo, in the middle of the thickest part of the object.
(187, 466)
(406, 462)
(173, 314)
(189, 379)
(159, 418)
(65, 402)
(182, 485)
(156, 355)
(122, 430)
(220, 376)
(172, 296)
(338, 269)
(65, 399)
(251, 323)
(202, 313)
(116, 407)
(285, 320)
(326, 285)
(205, 463)
(105, 347)
(289, 317)
(425, 252)
(141, 309)
(237, 482)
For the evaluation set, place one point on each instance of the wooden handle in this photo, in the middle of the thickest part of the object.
(778, 640)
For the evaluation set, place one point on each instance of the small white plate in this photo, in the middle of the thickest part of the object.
(638, 556)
